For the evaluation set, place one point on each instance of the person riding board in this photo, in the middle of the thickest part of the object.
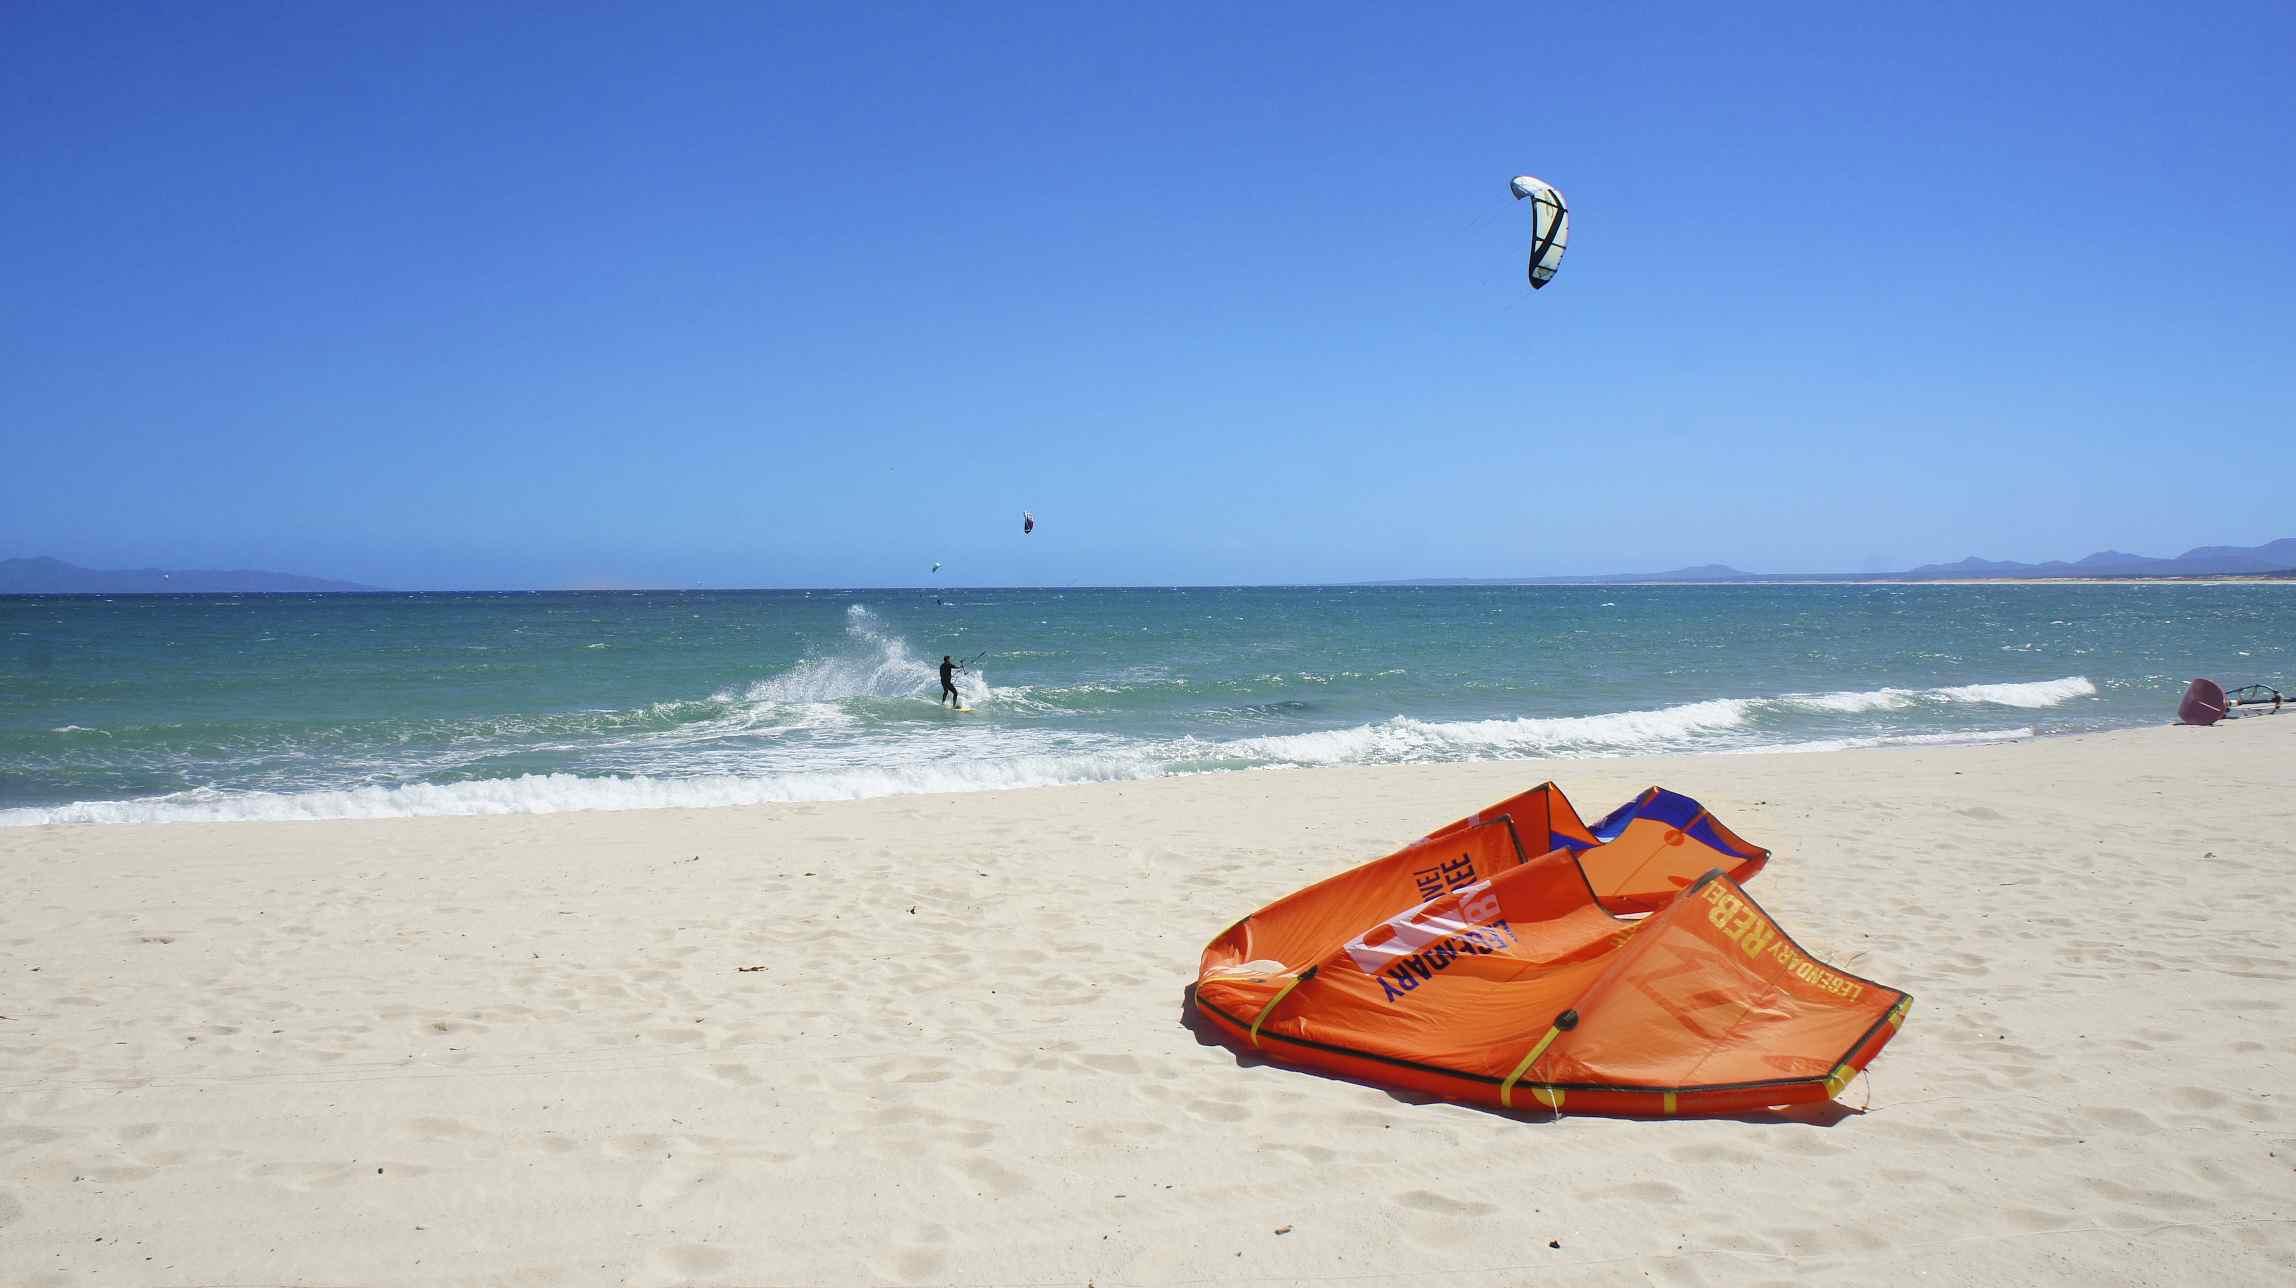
(949, 670)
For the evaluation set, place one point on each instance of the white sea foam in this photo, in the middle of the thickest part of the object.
(994, 757)
(559, 793)
(2030, 695)
(2033, 694)
(1404, 738)
(877, 665)
(1970, 737)
(1399, 739)
(1851, 702)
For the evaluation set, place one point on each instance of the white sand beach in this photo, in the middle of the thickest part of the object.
(940, 1040)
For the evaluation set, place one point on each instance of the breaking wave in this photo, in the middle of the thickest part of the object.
(2031, 695)
(878, 665)
(561, 793)
(791, 738)
(1406, 739)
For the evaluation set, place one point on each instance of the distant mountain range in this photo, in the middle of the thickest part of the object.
(55, 577)
(2276, 559)
(2273, 558)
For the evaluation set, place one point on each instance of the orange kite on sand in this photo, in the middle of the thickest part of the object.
(1500, 960)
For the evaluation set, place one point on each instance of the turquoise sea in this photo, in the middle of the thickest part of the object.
(165, 708)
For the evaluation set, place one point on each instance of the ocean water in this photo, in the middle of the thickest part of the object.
(168, 708)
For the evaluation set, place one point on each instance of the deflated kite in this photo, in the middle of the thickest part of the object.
(1493, 961)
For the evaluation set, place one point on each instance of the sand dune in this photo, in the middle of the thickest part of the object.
(531, 1050)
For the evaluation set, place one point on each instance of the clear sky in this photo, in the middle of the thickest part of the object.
(748, 294)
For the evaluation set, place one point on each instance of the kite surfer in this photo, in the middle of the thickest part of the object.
(949, 670)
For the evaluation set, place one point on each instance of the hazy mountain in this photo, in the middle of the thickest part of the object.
(55, 577)
(2201, 561)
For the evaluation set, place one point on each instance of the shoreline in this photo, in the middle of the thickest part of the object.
(939, 1039)
(640, 785)
(1528, 769)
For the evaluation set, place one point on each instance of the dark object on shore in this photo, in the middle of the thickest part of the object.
(2205, 701)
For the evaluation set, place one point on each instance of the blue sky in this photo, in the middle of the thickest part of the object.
(741, 294)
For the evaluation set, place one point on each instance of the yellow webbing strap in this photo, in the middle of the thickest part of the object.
(1838, 1080)
(1507, 1088)
(1897, 1012)
(1273, 1003)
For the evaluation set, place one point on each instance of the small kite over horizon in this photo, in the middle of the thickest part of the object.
(1027, 523)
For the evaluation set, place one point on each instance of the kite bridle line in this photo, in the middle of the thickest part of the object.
(2234, 698)
(967, 664)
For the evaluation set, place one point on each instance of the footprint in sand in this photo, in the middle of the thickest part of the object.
(677, 1178)
(1727, 1155)
(1443, 1204)
(1643, 1192)
(2152, 1201)
(647, 1143)
(2032, 1220)
(305, 1176)
(918, 1254)
(441, 1129)
(995, 1179)
(689, 1260)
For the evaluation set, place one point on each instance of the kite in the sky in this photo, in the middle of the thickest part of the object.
(936, 565)
(1550, 227)
(1027, 523)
